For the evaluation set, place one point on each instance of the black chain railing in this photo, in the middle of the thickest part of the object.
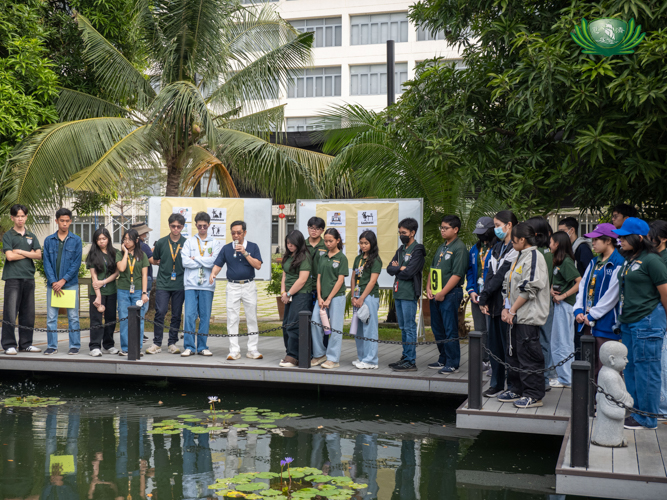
(525, 370)
(624, 406)
(395, 342)
(247, 334)
(63, 330)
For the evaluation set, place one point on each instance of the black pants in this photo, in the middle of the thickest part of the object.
(300, 302)
(19, 301)
(498, 346)
(102, 336)
(527, 354)
(162, 298)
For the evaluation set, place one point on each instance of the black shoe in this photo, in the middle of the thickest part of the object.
(631, 423)
(392, 365)
(491, 392)
(73, 351)
(405, 366)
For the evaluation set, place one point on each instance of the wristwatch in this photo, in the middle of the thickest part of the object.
(245, 254)
(288, 294)
(144, 293)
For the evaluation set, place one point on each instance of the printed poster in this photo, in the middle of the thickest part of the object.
(361, 230)
(217, 231)
(218, 215)
(187, 230)
(184, 211)
(219, 209)
(335, 218)
(367, 218)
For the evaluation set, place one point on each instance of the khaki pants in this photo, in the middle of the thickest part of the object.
(246, 294)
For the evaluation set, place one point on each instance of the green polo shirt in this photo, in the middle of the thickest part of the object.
(565, 276)
(452, 260)
(291, 277)
(549, 258)
(663, 254)
(406, 289)
(24, 268)
(329, 269)
(110, 287)
(124, 277)
(364, 275)
(638, 280)
(315, 253)
(164, 248)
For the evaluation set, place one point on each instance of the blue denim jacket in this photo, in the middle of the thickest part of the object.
(70, 262)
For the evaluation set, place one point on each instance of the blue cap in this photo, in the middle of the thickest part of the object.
(633, 225)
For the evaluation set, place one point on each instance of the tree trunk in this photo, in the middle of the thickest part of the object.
(173, 176)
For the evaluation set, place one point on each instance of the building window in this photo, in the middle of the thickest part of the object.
(310, 123)
(85, 227)
(379, 28)
(371, 79)
(314, 82)
(423, 35)
(291, 225)
(328, 31)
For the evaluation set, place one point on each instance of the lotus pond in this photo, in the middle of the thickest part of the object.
(97, 439)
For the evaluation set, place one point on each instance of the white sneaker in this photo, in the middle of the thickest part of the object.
(154, 349)
(555, 383)
(11, 351)
(96, 353)
(31, 348)
(173, 349)
(356, 363)
(186, 353)
(206, 352)
(366, 366)
(113, 350)
(254, 355)
(122, 353)
(234, 355)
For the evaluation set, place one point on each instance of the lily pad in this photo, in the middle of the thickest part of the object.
(257, 431)
(327, 487)
(292, 414)
(267, 426)
(193, 419)
(341, 480)
(271, 493)
(318, 478)
(266, 421)
(185, 416)
(267, 475)
(252, 487)
(357, 486)
(306, 493)
(240, 426)
(295, 474)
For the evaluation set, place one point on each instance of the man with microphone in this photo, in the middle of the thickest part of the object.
(242, 258)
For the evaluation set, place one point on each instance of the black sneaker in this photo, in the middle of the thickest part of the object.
(73, 351)
(508, 397)
(405, 366)
(49, 351)
(392, 365)
(492, 392)
(436, 366)
(631, 423)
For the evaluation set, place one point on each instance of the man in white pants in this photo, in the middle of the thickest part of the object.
(242, 258)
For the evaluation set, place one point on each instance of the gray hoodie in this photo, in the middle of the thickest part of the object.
(528, 278)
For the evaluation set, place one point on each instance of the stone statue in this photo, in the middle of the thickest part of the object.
(608, 430)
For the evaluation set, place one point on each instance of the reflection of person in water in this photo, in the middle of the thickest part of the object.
(168, 468)
(134, 450)
(197, 466)
(326, 454)
(61, 483)
(442, 469)
(102, 443)
(405, 473)
(17, 448)
(363, 468)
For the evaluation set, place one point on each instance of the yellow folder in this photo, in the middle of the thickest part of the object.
(64, 464)
(66, 300)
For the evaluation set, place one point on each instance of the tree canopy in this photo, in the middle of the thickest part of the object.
(531, 119)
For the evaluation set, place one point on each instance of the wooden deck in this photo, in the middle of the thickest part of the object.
(638, 471)
(552, 418)
(262, 370)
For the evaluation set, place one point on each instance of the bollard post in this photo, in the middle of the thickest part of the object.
(475, 371)
(588, 354)
(304, 339)
(579, 419)
(134, 333)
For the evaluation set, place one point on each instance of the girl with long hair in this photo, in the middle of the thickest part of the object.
(491, 298)
(365, 290)
(295, 293)
(564, 288)
(331, 271)
(132, 265)
(101, 261)
(526, 293)
(642, 291)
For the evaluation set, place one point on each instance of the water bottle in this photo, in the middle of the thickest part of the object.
(324, 319)
(355, 321)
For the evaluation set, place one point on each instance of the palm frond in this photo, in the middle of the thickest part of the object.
(120, 79)
(52, 154)
(114, 163)
(199, 162)
(261, 123)
(341, 124)
(73, 105)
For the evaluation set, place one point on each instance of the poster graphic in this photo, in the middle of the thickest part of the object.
(336, 218)
(185, 212)
(364, 229)
(217, 231)
(187, 230)
(367, 217)
(218, 215)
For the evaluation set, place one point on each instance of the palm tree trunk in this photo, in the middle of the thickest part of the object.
(173, 175)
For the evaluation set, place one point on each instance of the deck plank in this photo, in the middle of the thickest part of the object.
(624, 460)
(599, 457)
(648, 454)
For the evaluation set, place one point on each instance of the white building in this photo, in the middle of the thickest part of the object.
(350, 55)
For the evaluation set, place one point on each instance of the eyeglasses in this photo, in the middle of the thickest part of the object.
(202, 226)
(175, 226)
(237, 233)
(615, 216)
(445, 228)
(313, 228)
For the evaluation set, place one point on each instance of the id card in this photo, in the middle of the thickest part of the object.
(173, 276)
(131, 289)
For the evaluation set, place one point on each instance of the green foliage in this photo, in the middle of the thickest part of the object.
(274, 285)
(534, 121)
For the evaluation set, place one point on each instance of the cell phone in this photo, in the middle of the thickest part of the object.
(556, 288)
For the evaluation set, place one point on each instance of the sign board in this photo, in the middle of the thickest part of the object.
(256, 212)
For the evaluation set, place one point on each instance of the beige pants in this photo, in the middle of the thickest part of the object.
(246, 294)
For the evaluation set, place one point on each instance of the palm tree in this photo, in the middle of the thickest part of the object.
(203, 108)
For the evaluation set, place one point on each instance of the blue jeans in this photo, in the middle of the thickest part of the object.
(445, 325)
(72, 321)
(406, 311)
(125, 300)
(663, 371)
(198, 304)
(562, 340)
(642, 374)
(545, 342)
(367, 351)
(336, 319)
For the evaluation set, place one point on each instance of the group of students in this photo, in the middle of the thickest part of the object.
(186, 278)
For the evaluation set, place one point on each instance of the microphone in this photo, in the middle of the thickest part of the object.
(234, 248)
